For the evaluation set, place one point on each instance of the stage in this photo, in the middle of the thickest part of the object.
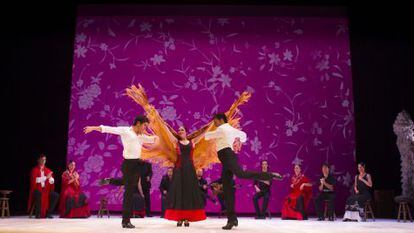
(155, 224)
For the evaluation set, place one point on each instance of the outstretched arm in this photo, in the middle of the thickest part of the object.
(89, 129)
(104, 129)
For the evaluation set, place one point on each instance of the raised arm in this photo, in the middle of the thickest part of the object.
(139, 95)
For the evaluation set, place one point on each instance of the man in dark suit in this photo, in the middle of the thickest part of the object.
(164, 188)
(146, 174)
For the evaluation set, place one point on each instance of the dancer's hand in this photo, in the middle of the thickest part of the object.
(89, 129)
(302, 186)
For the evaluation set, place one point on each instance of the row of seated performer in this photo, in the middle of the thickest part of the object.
(73, 203)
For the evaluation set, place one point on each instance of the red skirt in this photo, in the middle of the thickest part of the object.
(190, 215)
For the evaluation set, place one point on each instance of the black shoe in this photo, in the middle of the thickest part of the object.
(179, 223)
(150, 216)
(321, 219)
(104, 181)
(186, 223)
(38, 217)
(230, 225)
(332, 219)
(49, 216)
(127, 225)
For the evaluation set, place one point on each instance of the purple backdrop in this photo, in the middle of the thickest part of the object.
(298, 69)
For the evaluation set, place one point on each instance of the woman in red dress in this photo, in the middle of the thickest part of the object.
(296, 203)
(73, 202)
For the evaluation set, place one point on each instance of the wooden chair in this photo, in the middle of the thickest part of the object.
(221, 213)
(368, 210)
(103, 207)
(404, 209)
(325, 210)
(4, 203)
(32, 208)
(4, 206)
(269, 214)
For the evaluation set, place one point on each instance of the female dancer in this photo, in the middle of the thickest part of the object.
(184, 198)
(186, 153)
(73, 202)
(296, 203)
(354, 208)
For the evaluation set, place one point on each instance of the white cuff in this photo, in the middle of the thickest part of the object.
(51, 180)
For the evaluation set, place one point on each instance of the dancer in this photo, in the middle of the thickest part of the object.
(354, 208)
(42, 196)
(73, 202)
(132, 138)
(186, 153)
(229, 141)
(296, 203)
(184, 200)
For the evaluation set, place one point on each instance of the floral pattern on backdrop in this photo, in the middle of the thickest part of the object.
(298, 69)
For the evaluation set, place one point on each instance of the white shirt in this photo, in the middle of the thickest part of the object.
(225, 135)
(131, 141)
(42, 179)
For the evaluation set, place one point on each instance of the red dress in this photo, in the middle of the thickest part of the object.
(73, 203)
(45, 191)
(296, 203)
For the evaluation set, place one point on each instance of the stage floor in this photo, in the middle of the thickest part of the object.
(211, 225)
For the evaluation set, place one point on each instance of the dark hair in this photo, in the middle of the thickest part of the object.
(362, 164)
(326, 165)
(41, 156)
(220, 116)
(183, 126)
(264, 160)
(141, 119)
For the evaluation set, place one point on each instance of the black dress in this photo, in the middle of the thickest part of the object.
(184, 198)
(354, 208)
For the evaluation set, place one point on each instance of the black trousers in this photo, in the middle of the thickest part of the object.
(163, 204)
(319, 204)
(220, 198)
(130, 174)
(147, 199)
(53, 199)
(256, 197)
(231, 167)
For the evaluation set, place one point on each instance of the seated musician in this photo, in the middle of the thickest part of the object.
(262, 190)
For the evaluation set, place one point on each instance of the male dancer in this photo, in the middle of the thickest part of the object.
(229, 141)
(132, 139)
